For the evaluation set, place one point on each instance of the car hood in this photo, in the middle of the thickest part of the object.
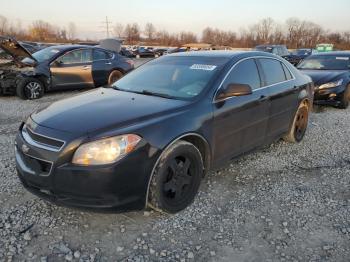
(102, 109)
(15, 49)
(320, 77)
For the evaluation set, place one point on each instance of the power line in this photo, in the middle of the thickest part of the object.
(106, 24)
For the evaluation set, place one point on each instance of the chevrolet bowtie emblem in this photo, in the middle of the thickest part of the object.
(25, 149)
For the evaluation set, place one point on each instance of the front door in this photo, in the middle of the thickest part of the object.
(72, 70)
(240, 122)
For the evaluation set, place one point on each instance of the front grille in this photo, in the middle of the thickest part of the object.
(41, 141)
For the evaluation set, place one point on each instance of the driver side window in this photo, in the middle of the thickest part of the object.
(245, 72)
(76, 57)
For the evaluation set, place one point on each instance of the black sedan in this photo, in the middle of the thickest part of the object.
(331, 75)
(59, 67)
(144, 52)
(150, 140)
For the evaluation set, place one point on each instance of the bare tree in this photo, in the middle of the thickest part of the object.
(72, 31)
(42, 31)
(118, 30)
(132, 33)
(150, 31)
(3, 24)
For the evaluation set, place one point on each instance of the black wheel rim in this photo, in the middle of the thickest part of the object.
(301, 123)
(178, 182)
(32, 90)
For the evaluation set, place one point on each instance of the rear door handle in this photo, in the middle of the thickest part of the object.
(86, 67)
(108, 63)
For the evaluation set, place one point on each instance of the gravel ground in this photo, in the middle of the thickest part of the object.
(287, 202)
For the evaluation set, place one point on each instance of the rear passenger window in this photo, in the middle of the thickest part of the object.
(287, 72)
(246, 72)
(273, 71)
(101, 55)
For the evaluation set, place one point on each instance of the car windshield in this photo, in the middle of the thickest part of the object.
(44, 54)
(172, 77)
(326, 62)
(264, 49)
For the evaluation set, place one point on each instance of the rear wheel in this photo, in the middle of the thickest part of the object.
(298, 128)
(345, 99)
(176, 178)
(114, 76)
(30, 89)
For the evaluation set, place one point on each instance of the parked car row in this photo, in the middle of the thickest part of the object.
(294, 57)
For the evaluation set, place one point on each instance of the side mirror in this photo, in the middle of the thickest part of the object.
(234, 89)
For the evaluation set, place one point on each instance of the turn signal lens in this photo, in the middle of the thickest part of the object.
(105, 151)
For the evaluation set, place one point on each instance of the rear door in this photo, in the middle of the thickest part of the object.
(284, 95)
(240, 122)
(72, 70)
(102, 65)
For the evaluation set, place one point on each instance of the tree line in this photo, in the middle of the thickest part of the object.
(294, 33)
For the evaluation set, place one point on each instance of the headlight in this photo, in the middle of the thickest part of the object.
(331, 84)
(105, 151)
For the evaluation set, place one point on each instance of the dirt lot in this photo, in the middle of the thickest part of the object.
(288, 202)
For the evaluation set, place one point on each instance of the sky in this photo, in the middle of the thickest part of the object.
(175, 16)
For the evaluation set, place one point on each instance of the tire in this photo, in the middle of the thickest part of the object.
(345, 99)
(176, 178)
(30, 88)
(300, 121)
(114, 76)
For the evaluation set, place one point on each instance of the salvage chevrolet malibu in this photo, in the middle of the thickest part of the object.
(58, 68)
(150, 139)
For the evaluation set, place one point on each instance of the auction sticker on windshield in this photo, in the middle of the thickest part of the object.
(342, 58)
(203, 67)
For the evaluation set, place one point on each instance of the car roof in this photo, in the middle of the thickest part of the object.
(69, 47)
(270, 45)
(222, 54)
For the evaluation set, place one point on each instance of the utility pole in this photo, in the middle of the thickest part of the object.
(106, 24)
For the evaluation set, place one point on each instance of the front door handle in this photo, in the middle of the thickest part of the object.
(86, 67)
(108, 63)
(263, 98)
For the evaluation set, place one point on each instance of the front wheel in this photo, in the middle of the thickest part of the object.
(30, 89)
(176, 178)
(298, 128)
(345, 99)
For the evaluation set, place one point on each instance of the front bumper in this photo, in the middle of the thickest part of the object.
(118, 187)
(329, 96)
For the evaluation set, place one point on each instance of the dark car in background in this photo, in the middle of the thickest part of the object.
(280, 50)
(331, 74)
(298, 55)
(127, 53)
(144, 52)
(59, 67)
(150, 139)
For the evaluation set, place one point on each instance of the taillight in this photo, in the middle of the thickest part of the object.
(130, 62)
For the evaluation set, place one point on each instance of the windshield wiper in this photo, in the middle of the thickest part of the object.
(144, 92)
(150, 93)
